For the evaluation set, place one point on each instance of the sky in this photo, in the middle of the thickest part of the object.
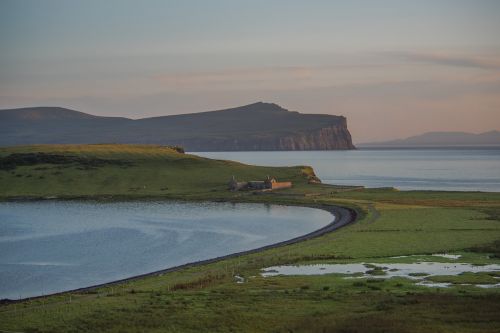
(394, 68)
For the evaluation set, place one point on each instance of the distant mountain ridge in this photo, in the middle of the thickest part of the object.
(442, 139)
(258, 126)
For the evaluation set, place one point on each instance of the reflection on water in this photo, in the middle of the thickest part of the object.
(410, 169)
(415, 271)
(46, 247)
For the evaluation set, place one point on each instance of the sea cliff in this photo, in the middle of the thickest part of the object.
(258, 126)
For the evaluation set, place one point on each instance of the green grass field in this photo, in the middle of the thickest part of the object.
(208, 299)
(151, 171)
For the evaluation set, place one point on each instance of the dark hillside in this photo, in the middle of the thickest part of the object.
(258, 126)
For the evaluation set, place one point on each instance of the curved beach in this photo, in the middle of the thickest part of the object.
(343, 216)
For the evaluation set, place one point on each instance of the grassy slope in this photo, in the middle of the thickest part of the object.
(207, 298)
(154, 171)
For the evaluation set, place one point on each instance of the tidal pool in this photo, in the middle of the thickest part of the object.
(53, 246)
(416, 271)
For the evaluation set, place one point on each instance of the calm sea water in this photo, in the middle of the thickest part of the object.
(46, 247)
(406, 169)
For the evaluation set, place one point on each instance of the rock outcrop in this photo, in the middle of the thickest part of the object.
(333, 137)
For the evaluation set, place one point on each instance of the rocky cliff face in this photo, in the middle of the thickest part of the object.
(258, 126)
(332, 137)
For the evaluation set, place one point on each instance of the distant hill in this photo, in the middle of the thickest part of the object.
(443, 139)
(258, 126)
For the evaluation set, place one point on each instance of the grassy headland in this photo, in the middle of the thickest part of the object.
(207, 298)
(127, 171)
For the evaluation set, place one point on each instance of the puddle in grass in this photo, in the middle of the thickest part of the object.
(239, 279)
(448, 256)
(416, 271)
(442, 255)
(434, 284)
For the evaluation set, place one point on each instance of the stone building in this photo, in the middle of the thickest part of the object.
(235, 185)
(267, 184)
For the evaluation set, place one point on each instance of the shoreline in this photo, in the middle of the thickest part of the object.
(342, 217)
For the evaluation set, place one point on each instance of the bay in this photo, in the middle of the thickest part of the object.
(53, 246)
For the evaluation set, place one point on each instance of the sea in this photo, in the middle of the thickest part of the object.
(444, 169)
